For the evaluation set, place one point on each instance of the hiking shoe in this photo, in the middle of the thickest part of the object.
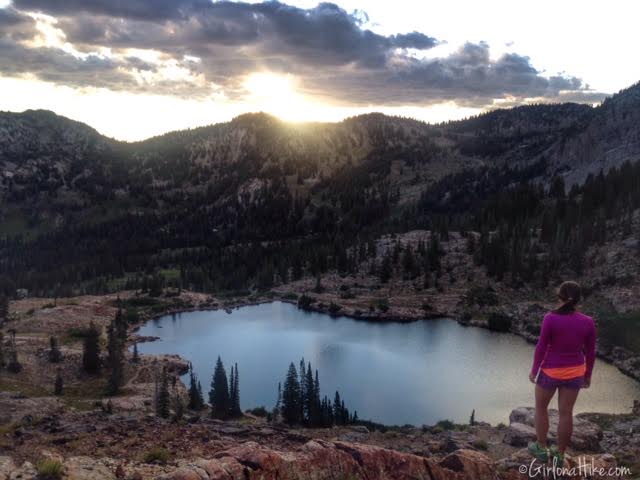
(557, 457)
(538, 451)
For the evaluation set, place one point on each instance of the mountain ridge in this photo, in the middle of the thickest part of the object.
(259, 179)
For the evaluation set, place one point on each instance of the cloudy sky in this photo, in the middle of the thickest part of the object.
(135, 68)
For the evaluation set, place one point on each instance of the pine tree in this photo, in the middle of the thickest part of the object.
(3, 360)
(163, 401)
(236, 411)
(13, 364)
(409, 263)
(178, 404)
(385, 269)
(278, 406)
(232, 387)
(115, 350)
(219, 393)
(303, 395)
(472, 418)
(91, 350)
(58, 385)
(317, 418)
(337, 409)
(55, 356)
(120, 325)
(434, 252)
(4, 306)
(309, 396)
(136, 355)
(113, 344)
(291, 397)
(178, 407)
(116, 373)
(196, 402)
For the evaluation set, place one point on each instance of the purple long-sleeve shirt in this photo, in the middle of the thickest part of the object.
(566, 341)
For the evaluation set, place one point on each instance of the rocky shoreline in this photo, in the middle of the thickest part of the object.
(524, 318)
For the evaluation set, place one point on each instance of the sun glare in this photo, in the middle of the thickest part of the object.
(276, 94)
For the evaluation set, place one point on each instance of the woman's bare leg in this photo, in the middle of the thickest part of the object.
(543, 397)
(566, 400)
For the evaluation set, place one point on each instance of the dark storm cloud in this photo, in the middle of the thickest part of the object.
(469, 77)
(140, 9)
(15, 24)
(326, 47)
(54, 65)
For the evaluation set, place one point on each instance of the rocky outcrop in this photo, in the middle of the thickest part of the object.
(319, 459)
(316, 459)
(586, 435)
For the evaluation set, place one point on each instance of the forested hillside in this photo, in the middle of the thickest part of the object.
(256, 202)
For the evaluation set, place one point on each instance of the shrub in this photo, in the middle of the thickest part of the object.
(427, 307)
(480, 444)
(75, 332)
(499, 322)
(49, 469)
(621, 329)
(334, 308)
(446, 425)
(383, 305)
(258, 411)
(132, 315)
(157, 455)
(532, 328)
(305, 301)
(481, 296)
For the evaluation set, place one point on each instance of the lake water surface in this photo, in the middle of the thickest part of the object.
(392, 373)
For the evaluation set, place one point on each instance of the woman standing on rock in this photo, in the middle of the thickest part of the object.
(563, 361)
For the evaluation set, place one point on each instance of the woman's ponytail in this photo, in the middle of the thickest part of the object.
(570, 294)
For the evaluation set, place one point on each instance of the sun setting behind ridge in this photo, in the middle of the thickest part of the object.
(276, 94)
(295, 239)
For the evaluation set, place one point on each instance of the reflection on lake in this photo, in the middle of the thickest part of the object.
(392, 373)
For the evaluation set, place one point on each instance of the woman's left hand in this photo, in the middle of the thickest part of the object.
(532, 378)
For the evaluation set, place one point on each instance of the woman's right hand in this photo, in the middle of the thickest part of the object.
(532, 378)
(587, 383)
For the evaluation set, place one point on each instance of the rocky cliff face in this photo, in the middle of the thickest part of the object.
(610, 138)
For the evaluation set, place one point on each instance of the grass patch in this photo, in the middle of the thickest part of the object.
(18, 383)
(445, 426)
(49, 469)
(134, 302)
(157, 455)
(170, 274)
(8, 429)
(88, 388)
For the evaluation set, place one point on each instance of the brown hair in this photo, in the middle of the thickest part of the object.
(569, 294)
